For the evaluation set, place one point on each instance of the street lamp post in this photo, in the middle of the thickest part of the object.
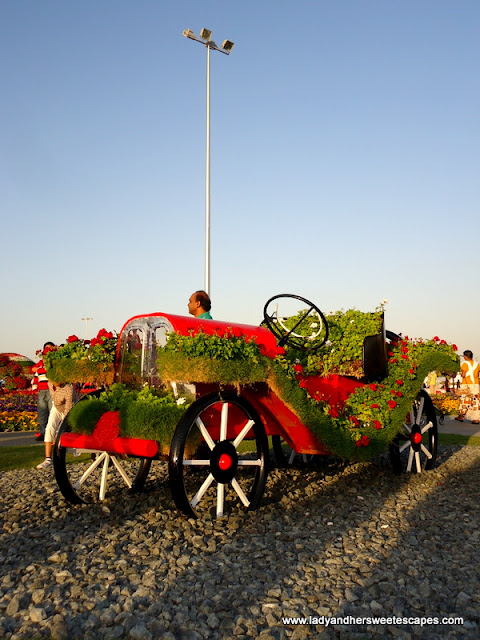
(86, 320)
(227, 46)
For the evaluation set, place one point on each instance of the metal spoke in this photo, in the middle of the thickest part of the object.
(250, 463)
(103, 481)
(205, 434)
(405, 445)
(410, 459)
(223, 422)
(198, 496)
(196, 463)
(417, 460)
(426, 451)
(426, 427)
(220, 499)
(122, 472)
(90, 470)
(243, 433)
(240, 492)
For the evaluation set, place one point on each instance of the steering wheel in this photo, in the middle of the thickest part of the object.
(308, 333)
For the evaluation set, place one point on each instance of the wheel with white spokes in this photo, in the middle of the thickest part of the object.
(415, 447)
(218, 456)
(85, 482)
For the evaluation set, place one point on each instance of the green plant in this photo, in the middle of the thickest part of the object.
(149, 413)
(83, 360)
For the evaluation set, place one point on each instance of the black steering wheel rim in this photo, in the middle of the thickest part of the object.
(285, 338)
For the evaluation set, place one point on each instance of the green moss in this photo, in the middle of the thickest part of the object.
(85, 414)
(174, 366)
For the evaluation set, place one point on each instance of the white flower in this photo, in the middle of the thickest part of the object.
(314, 325)
(384, 301)
(181, 400)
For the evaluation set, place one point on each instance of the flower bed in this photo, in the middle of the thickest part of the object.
(447, 403)
(18, 412)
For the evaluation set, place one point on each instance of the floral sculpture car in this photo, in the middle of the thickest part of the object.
(352, 396)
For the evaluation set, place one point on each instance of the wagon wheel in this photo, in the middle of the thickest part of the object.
(415, 447)
(85, 483)
(309, 333)
(201, 466)
(287, 457)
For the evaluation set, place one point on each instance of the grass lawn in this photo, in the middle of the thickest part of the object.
(27, 457)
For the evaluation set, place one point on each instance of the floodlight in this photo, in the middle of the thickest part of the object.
(206, 34)
(227, 45)
(188, 33)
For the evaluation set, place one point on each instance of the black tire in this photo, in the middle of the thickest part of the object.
(78, 491)
(415, 447)
(200, 467)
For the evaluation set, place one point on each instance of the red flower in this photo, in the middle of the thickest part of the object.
(399, 382)
(298, 368)
(333, 412)
(392, 404)
(454, 347)
(363, 442)
(373, 386)
(405, 357)
(442, 342)
(392, 360)
(436, 339)
(411, 371)
(73, 338)
(377, 424)
(96, 341)
(374, 406)
(354, 420)
(303, 384)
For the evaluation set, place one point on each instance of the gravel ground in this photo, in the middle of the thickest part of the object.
(329, 540)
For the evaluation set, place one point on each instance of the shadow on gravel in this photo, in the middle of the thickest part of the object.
(325, 536)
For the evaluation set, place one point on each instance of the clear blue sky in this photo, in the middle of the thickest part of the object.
(345, 161)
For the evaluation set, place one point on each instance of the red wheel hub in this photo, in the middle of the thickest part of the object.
(417, 438)
(225, 462)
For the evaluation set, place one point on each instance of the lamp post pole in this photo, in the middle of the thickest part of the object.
(86, 326)
(207, 183)
(227, 46)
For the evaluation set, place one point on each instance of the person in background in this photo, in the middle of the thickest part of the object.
(63, 397)
(199, 305)
(44, 399)
(469, 390)
(432, 383)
